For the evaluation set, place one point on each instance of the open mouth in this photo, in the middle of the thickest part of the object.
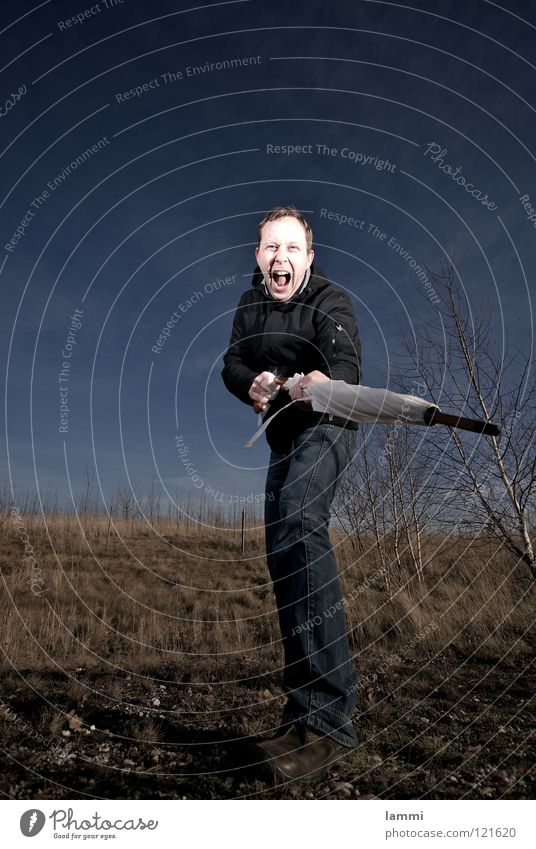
(281, 278)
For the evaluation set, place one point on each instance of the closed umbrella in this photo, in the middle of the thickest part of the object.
(365, 404)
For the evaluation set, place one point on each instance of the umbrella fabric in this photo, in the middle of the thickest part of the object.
(357, 403)
(364, 404)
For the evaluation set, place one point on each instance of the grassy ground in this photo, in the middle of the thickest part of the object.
(150, 659)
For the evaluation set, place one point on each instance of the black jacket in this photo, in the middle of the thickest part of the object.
(315, 329)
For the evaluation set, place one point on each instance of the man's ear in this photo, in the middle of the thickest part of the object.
(257, 254)
(310, 257)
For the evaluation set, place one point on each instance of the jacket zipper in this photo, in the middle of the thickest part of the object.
(338, 328)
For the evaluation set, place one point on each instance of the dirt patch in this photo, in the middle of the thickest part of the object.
(466, 735)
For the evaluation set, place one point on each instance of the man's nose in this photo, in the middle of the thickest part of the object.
(281, 254)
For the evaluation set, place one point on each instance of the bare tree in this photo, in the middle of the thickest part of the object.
(492, 479)
(408, 483)
(154, 504)
(86, 499)
(390, 496)
(125, 501)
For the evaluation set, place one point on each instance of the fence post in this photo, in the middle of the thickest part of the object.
(243, 529)
(108, 532)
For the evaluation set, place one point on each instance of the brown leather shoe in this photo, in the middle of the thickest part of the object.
(300, 754)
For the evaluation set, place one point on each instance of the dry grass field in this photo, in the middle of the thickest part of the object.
(145, 658)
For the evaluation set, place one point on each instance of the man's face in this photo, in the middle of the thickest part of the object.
(282, 256)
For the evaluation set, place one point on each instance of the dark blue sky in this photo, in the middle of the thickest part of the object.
(139, 150)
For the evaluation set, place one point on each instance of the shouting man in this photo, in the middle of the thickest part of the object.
(291, 320)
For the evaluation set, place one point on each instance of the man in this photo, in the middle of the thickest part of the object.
(291, 320)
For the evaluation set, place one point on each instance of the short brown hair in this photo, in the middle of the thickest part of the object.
(287, 212)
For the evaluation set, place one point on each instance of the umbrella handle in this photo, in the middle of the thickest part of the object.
(433, 416)
(257, 406)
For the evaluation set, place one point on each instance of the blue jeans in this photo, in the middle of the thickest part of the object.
(319, 678)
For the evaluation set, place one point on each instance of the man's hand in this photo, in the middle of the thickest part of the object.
(262, 388)
(297, 392)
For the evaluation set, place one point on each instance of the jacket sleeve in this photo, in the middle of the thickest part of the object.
(236, 374)
(337, 337)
